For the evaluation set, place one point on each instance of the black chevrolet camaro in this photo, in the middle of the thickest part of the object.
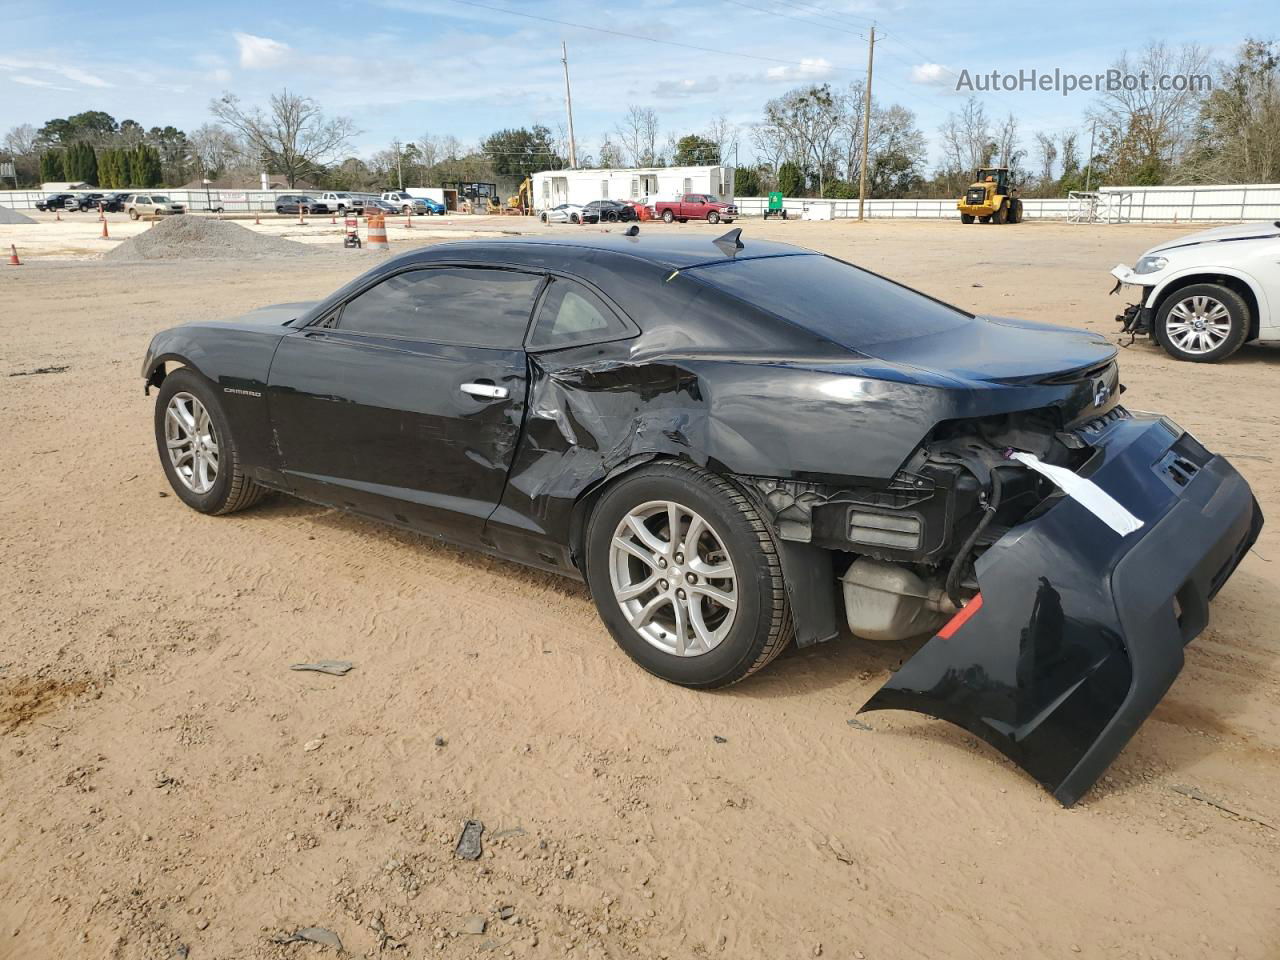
(738, 446)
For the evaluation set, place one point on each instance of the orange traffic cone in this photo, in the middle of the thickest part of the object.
(102, 213)
(408, 221)
(105, 235)
(257, 219)
(300, 220)
(13, 256)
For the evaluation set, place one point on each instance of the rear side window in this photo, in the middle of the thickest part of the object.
(464, 306)
(571, 314)
(846, 304)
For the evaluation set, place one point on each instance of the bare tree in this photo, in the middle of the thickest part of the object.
(853, 103)
(807, 121)
(215, 149)
(724, 134)
(20, 141)
(428, 149)
(1238, 137)
(638, 134)
(610, 153)
(1147, 126)
(293, 136)
(1070, 153)
(967, 143)
(1047, 149)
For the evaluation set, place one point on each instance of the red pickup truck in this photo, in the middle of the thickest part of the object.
(695, 206)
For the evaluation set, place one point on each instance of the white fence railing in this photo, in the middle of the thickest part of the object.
(1198, 204)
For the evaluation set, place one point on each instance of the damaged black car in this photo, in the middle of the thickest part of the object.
(739, 446)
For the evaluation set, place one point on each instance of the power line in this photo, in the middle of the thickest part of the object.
(788, 16)
(636, 36)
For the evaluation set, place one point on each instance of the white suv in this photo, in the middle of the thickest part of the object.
(1205, 295)
(151, 205)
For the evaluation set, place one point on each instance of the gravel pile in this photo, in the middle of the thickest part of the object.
(9, 215)
(195, 238)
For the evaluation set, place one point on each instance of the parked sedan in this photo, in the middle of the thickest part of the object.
(300, 203)
(1205, 295)
(721, 437)
(374, 205)
(140, 205)
(569, 213)
(611, 211)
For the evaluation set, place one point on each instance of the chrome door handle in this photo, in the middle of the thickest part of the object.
(486, 391)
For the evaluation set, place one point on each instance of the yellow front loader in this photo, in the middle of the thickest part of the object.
(991, 198)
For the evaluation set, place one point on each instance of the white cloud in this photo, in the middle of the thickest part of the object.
(261, 53)
(74, 74)
(932, 75)
(32, 81)
(686, 88)
(807, 69)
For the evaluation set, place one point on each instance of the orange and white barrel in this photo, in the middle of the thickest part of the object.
(378, 232)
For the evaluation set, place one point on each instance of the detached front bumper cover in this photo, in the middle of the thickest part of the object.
(1078, 632)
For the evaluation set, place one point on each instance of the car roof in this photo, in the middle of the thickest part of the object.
(661, 249)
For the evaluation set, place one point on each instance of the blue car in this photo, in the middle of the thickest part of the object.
(433, 206)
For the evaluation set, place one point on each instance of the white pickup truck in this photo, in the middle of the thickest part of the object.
(343, 200)
(405, 203)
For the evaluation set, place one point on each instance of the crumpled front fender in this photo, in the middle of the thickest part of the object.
(1077, 632)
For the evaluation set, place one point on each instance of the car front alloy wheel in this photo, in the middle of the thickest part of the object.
(1202, 323)
(192, 442)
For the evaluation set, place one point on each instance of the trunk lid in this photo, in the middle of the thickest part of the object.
(1001, 350)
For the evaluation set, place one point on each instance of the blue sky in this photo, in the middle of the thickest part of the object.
(402, 68)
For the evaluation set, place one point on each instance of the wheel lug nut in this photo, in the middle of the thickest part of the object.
(679, 558)
(680, 594)
(662, 562)
(663, 585)
(691, 577)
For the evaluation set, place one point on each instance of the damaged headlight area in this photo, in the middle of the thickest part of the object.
(1059, 571)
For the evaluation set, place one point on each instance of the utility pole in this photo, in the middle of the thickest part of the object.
(568, 103)
(866, 122)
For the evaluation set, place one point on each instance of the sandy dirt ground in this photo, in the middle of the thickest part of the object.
(168, 784)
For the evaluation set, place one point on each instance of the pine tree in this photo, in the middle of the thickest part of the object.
(81, 164)
(144, 166)
(51, 167)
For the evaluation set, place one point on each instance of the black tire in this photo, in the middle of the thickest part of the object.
(1002, 213)
(713, 216)
(574, 218)
(543, 217)
(1015, 211)
(668, 216)
(232, 490)
(279, 209)
(133, 214)
(966, 218)
(986, 219)
(762, 628)
(1238, 318)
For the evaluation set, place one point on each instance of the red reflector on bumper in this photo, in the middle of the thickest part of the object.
(962, 617)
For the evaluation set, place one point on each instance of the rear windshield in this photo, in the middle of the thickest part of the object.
(846, 304)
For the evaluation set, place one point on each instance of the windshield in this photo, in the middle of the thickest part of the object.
(846, 304)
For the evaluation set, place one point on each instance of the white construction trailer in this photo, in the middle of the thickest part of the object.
(554, 187)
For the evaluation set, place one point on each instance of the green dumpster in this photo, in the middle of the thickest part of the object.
(776, 209)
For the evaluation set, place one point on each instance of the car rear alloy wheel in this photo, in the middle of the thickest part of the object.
(1202, 323)
(192, 442)
(686, 575)
(672, 578)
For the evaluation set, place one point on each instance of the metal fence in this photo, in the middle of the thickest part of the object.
(1198, 204)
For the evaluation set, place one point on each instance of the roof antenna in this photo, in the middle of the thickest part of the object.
(730, 243)
(631, 231)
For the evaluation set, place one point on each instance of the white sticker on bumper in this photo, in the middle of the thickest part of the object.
(1085, 492)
